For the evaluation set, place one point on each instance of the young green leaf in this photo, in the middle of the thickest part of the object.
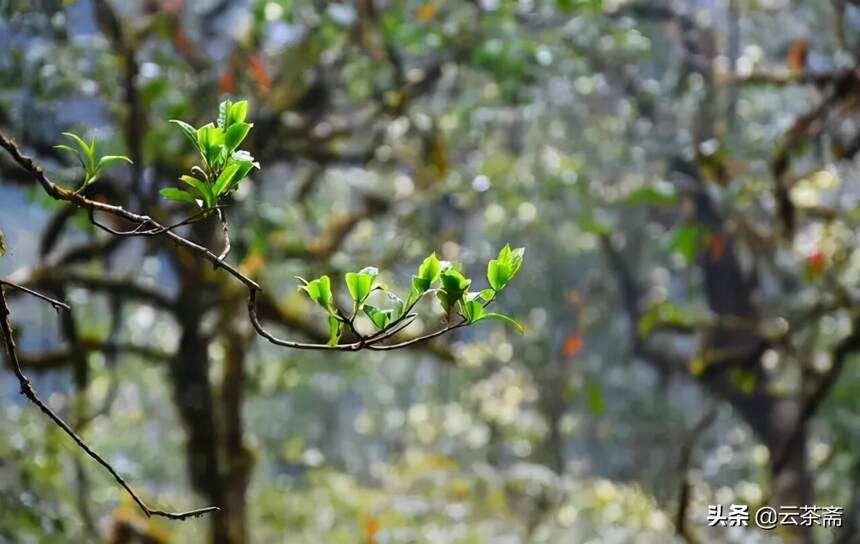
(498, 274)
(454, 286)
(428, 274)
(178, 195)
(225, 179)
(486, 295)
(109, 160)
(86, 156)
(359, 284)
(211, 141)
(501, 317)
(472, 310)
(420, 285)
(380, 318)
(237, 113)
(335, 330)
(75, 152)
(201, 188)
(223, 112)
(234, 135)
(319, 290)
(189, 131)
(244, 167)
(502, 269)
(430, 268)
(88, 150)
(517, 256)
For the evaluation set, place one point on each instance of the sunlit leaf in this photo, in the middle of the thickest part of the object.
(178, 195)
(202, 188)
(335, 330)
(380, 318)
(237, 113)
(109, 160)
(501, 317)
(235, 135)
(454, 286)
(188, 130)
(359, 285)
(319, 290)
(225, 179)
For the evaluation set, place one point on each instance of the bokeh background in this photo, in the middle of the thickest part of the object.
(681, 174)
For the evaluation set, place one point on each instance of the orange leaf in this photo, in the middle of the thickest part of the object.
(425, 12)
(815, 262)
(227, 82)
(572, 345)
(181, 42)
(258, 71)
(371, 527)
(797, 55)
(716, 247)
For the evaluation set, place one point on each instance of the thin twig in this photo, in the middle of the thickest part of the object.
(136, 231)
(412, 341)
(225, 228)
(58, 305)
(28, 391)
(61, 193)
(686, 458)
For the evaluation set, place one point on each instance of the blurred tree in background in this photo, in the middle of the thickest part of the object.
(681, 172)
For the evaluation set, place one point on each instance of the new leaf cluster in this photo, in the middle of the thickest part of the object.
(222, 164)
(86, 155)
(443, 278)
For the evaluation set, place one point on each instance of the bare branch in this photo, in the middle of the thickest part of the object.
(686, 457)
(226, 230)
(52, 301)
(28, 391)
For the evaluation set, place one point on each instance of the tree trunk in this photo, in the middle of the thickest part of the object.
(238, 460)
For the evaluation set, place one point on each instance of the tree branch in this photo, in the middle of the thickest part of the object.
(28, 391)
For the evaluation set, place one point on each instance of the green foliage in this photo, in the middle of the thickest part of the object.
(684, 242)
(443, 278)
(380, 318)
(2, 244)
(223, 164)
(335, 329)
(661, 314)
(661, 193)
(360, 284)
(503, 269)
(594, 398)
(86, 155)
(454, 287)
(319, 290)
(428, 274)
(474, 312)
